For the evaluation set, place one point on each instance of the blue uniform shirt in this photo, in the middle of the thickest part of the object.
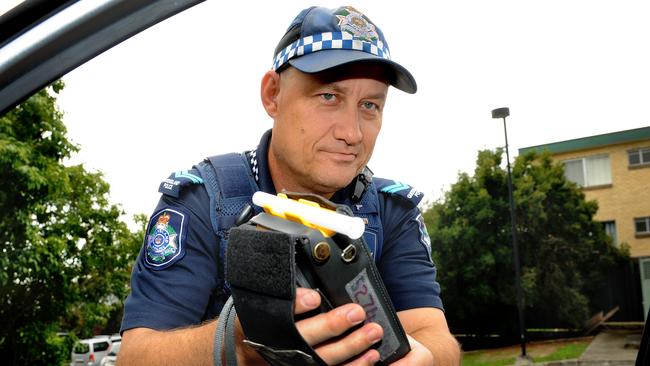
(174, 279)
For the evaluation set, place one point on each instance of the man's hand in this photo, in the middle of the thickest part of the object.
(436, 346)
(322, 332)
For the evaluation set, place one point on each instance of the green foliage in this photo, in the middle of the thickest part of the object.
(43, 345)
(564, 253)
(66, 255)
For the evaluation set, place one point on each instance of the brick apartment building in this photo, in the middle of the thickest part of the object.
(614, 169)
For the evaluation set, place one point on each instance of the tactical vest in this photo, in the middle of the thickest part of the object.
(230, 185)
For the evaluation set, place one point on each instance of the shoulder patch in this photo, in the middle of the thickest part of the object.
(399, 190)
(163, 242)
(172, 186)
(425, 239)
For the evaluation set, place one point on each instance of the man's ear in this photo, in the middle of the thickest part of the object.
(269, 92)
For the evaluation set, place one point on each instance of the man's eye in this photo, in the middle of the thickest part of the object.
(328, 96)
(370, 105)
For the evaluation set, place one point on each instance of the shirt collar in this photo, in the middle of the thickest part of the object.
(259, 163)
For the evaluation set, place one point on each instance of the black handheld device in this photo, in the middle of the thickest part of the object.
(272, 254)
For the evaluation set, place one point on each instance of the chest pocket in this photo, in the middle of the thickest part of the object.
(370, 236)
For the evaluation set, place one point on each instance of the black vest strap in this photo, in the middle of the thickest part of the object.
(230, 185)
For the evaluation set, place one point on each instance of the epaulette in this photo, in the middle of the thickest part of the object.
(172, 186)
(398, 190)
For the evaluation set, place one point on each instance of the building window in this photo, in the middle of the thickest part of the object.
(610, 229)
(590, 171)
(642, 226)
(638, 157)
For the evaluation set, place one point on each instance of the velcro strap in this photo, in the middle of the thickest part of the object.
(264, 262)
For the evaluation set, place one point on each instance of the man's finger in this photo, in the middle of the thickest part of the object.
(306, 299)
(325, 326)
(370, 357)
(352, 345)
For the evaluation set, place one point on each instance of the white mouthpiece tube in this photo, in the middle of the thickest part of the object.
(353, 227)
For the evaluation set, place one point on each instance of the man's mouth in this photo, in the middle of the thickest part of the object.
(342, 155)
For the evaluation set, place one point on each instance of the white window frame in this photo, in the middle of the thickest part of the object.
(647, 225)
(584, 169)
(639, 151)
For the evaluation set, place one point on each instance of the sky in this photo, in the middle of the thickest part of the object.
(188, 87)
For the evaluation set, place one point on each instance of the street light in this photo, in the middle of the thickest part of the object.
(503, 113)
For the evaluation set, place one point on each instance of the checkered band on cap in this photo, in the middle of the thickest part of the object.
(329, 41)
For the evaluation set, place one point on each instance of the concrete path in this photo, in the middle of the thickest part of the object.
(611, 348)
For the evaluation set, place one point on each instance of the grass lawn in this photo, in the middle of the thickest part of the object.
(538, 351)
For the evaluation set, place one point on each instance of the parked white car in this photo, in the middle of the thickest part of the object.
(91, 351)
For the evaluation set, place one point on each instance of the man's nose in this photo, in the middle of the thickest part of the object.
(348, 127)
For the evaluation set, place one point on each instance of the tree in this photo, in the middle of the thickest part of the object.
(565, 254)
(66, 255)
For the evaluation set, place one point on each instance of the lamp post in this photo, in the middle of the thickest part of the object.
(503, 113)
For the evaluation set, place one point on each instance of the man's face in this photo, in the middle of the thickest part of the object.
(325, 127)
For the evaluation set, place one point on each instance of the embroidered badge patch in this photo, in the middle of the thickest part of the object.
(163, 242)
(424, 235)
(355, 23)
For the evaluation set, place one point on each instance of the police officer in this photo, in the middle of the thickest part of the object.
(325, 94)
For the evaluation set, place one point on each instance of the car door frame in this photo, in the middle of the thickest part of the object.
(49, 44)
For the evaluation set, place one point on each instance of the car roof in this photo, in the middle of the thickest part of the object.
(41, 42)
(95, 339)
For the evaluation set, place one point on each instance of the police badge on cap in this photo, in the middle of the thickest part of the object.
(355, 23)
(320, 39)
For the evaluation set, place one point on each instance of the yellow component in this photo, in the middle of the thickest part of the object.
(308, 202)
(297, 218)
